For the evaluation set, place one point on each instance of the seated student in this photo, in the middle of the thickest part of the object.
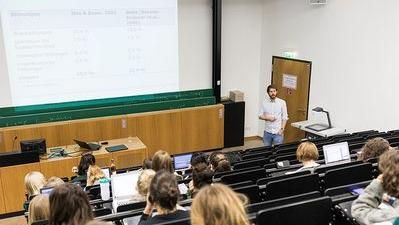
(54, 181)
(86, 161)
(39, 209)
(162, 161)
(69, 205)
(218, 204)
(202, 176)
(219, 162)
(34, 181)
(373, 148)
(163, 196)
(143, 183)
(94, 174)
(307, 154)
(197, 158)
(379, 201)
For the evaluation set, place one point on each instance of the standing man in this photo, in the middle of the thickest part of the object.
(274, 112)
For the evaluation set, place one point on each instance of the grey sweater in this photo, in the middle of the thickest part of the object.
(366, 208)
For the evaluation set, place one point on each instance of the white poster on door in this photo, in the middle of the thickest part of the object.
(290, 81)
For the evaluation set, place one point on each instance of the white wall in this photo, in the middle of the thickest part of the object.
(355, 53)
(241, 52)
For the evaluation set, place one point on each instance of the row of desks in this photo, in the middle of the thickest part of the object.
(12, 188)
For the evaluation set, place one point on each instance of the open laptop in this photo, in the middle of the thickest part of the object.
(86, 145)
(182, 161)
(336, 153)
(124, 188)
(106, 171)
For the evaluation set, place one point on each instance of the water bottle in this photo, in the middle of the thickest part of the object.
(104, 186)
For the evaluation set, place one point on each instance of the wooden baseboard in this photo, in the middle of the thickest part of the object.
(252, 138)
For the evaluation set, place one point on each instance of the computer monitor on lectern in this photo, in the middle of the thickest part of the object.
(38, 145)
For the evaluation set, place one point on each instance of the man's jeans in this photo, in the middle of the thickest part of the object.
(270, 139)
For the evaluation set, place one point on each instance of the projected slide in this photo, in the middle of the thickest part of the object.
(69, 50)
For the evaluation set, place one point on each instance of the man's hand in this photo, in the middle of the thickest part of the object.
(270, 118)
(281, 132)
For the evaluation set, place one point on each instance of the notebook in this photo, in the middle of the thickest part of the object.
(124, 188)
(338, 152)
(86, 145)
(116, 148)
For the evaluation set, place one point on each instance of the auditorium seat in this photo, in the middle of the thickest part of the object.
(251, 191)
(348, 175)
(102, 212)
(249, 163)
(292, 186)
(310, 212)
(253, 175)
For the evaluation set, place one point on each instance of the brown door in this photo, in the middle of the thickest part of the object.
(292, 78)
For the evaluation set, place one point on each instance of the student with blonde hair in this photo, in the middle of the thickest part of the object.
(307, 154)
(218, 204)
(94, 174)
(54, 181)
(34, 181)
(39, 209)
(144, 181)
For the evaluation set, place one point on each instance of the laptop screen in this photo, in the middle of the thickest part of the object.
(124, 184)
(182, 161)
(336, 152)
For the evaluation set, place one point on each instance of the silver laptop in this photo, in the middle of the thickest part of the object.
(336, 153)
(124, 188)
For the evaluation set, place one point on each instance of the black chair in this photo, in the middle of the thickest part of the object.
(250, 163)
(94, 192)
(251, 191)
(311, 212)
(131, 206)
(256, 155)
(348, 175)
(253, 175)
(345, 193)
(258, 149)
(264, 181)
(40, 222)
(218, 175)
(255, 207)
(365, 133)
(324, 168)
(102, 212)
(292, 186)
(241, 184)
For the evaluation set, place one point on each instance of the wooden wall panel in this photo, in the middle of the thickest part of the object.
(2, 202)
(203, 128)
(2, 148)
(175, 131)
(160, 131)
(13, 185)
(61, 167)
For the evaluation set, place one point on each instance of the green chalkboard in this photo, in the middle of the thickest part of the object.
(14, 116)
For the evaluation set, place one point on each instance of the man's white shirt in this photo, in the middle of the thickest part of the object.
(276, 108)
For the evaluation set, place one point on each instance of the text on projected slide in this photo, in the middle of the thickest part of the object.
(60, 55)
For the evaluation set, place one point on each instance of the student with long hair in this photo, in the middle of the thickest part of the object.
(162, 161)
(69, 205)
(163, 196)
(202, 176)
(85, 162)
(94, 174)
(39, 209)
(34, 181)
(379, 201)
(218, 204)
